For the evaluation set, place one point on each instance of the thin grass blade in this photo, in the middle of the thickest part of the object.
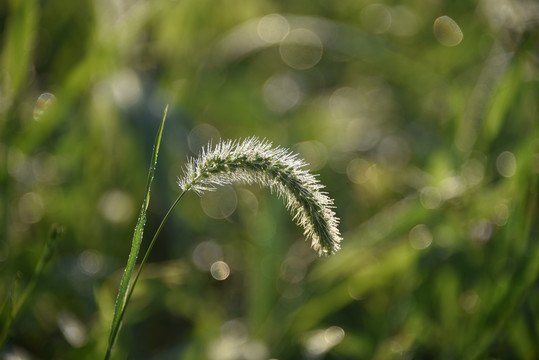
(15, 305)
(150, 247)
(121, 299)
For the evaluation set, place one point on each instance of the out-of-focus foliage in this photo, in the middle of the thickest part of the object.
(420, 116)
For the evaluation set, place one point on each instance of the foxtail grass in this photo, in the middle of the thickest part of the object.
(248, 161)
(254, 161)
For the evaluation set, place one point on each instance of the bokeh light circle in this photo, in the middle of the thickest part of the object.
(447, 31)
(273, 28)
(220, 270)
(301, 49)
(219, 204)
(506, 164)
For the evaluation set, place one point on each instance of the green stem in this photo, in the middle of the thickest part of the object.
(15, 306)
(114, 332)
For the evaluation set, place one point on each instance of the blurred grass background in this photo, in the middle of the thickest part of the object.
(430, 151)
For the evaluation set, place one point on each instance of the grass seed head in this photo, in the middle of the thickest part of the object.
(254, 161)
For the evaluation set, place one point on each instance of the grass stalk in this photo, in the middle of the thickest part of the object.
(122, 297)
(16, 305)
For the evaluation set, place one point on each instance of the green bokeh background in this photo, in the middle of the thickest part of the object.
(430, 152)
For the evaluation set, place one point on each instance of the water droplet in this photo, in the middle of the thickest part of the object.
(447, 31)
(42, 104)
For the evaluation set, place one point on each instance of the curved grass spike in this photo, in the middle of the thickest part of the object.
(255, 161)
(123, 296)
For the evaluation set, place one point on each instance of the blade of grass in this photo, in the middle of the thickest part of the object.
(15, 305)
(20, 34)
(150, 247)
(524, 277)
(122, 297)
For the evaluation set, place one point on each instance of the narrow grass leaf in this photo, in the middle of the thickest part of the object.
(122, 297)
(16, 305)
